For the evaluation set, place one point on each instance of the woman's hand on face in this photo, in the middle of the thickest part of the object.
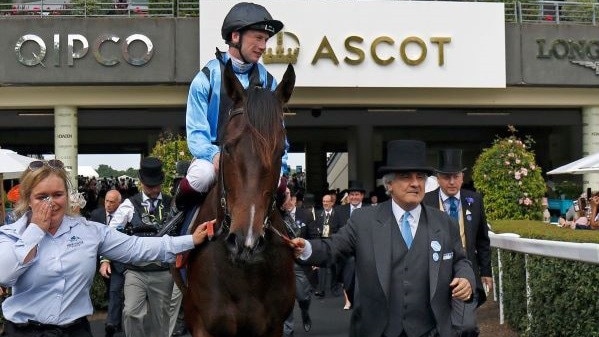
(42, 213)
(202, 231)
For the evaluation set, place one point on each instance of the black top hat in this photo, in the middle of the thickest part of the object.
(150, 171)
(450, 161)
(406, 155)
(355, 186)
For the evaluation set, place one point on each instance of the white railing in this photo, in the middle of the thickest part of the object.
(584, 252)
(558, 12)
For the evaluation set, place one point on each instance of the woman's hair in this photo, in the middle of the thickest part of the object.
(77, 200)
(31, 178)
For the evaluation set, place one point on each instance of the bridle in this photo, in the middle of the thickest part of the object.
(225, 225)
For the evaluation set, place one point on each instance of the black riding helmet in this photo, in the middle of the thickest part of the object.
(247, 15)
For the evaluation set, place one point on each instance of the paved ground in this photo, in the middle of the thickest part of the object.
(330, 320)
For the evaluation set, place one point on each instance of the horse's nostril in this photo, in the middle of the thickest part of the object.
(261, 241)
(232, 242)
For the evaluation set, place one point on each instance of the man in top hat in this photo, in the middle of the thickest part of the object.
(466, 208)
(346, 267)
(148, 287)
(410, 264)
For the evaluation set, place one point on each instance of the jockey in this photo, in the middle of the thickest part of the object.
(246, 29)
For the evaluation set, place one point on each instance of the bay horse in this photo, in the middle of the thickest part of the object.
(241, 283)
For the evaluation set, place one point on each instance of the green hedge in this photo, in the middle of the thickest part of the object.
(564, 301)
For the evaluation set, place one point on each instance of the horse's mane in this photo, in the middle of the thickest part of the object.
(263, 119)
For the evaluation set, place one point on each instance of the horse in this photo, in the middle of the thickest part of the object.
(241, 282)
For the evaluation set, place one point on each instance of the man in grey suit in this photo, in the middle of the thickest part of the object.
(395, 295)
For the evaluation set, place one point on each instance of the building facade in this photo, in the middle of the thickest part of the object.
(112, 84)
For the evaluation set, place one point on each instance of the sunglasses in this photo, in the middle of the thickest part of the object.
(52, 163)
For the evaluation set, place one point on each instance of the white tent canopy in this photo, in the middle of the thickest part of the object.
(13, 164)
(586, 164)
(87, 171)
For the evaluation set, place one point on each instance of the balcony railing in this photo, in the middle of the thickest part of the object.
(91, 8)
(559, 12)
(555, 12)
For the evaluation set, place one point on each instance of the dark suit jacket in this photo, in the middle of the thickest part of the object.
(98, 215)
(342, 213)
(367, 236)
(315, 227)
(478, 245)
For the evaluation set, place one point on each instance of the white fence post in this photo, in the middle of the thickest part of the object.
(500, 268)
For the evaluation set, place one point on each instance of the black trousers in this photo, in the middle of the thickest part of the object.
(432, 333)
(79, 328)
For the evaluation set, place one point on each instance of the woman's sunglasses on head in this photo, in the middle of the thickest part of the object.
(52, 163)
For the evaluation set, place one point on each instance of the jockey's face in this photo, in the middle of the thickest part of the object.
(253, 45)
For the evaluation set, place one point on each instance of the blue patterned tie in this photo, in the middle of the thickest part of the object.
(406, 232)
(453, 208)
(152, 207)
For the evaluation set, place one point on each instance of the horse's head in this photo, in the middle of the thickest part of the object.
(250, 161)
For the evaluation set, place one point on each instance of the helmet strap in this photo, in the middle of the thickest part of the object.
(239, 45)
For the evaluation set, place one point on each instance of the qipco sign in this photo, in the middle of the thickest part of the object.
(31, 50)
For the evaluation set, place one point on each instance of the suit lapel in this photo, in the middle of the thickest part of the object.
(467, 219)
(434, 235)
(381, 238)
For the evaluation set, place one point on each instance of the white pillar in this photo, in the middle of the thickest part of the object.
(65, 139)
(590, 142)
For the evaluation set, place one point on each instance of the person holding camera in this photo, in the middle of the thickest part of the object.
(148, 286)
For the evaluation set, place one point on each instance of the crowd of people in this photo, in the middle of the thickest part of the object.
(94, 190)
(368, 248)
(583, 214)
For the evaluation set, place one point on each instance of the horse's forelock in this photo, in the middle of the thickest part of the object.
(264, 114)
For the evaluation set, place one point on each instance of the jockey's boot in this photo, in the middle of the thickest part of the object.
(184, 199)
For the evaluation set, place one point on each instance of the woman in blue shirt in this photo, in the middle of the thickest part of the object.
(49, 256)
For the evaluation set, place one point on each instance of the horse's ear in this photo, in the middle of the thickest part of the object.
(232, 85)
(285, 88)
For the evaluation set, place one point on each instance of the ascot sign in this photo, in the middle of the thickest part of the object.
(340, 43)
(31, 50)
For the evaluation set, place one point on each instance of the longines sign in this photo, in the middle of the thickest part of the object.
(377, 43)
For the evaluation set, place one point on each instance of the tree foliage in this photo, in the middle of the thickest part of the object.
(107, 171)
(170, 148)
(509, 179)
